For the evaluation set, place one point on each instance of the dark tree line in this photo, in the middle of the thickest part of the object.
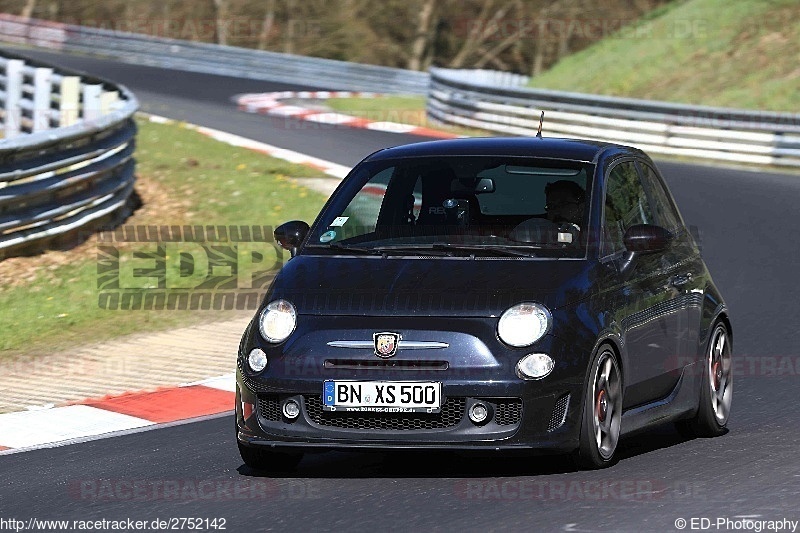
(525, 36)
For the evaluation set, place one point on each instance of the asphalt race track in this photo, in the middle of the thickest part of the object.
(749, 224)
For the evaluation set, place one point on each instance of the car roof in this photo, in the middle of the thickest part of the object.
(553, 148)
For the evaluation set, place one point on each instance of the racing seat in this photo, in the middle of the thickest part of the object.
(436, 190)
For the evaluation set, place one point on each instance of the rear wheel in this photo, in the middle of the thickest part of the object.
(602, 413)
(716, 392)
(269, 460)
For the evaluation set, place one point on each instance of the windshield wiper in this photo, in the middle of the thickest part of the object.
(496, 249)
(351, 248)
(423, 249)
(447, 248)
(437, 248)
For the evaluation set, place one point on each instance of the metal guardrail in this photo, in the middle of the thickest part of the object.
(467, 98)
(212, 59)
(66, 159)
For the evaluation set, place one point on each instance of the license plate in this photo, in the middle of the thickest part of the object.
(382, 396)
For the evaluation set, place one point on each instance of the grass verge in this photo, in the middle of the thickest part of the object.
(740, 54)
(402, 109)
(50, 301)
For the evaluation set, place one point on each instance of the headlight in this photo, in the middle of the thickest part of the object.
(535, 366)
(523, 324)
(278, 320)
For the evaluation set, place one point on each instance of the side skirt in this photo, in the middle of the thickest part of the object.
(680, 403)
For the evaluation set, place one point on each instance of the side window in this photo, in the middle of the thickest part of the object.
(415, 211)
(626, 205)
(666, 215)
(361, 214)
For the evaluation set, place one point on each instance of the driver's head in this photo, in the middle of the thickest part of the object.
(564, 201)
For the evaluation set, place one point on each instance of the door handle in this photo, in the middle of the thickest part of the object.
(681, 279)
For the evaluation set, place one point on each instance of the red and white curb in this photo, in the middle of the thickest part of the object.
(332, 169)
(93, 418)
(270, 104)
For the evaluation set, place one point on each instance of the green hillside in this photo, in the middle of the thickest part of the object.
(733, 53)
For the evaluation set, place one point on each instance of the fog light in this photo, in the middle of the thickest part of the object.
(535, 366)
(291, 409)
(257, 360)
(478, 413)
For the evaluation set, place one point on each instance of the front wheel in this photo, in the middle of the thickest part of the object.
(602, 412)
(716, 392)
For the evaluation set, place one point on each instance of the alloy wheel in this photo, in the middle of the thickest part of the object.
(607, 398)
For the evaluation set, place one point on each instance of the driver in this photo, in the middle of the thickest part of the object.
(565, 202)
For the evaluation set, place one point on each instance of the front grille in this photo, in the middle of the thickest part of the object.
(269, 406)
(394, 364)
(450, 416)
(507, 411)
(559, 413)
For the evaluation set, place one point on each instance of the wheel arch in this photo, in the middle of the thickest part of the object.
(615, 341)
(723, 316)
(720, 314)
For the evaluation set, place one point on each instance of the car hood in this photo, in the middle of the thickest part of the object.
(375, 286)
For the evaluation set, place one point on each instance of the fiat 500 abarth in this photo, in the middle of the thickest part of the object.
(539, 294)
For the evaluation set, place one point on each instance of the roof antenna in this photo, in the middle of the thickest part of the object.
(539, 131)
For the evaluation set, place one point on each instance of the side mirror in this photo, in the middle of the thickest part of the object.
(291, 234)
(646, 238)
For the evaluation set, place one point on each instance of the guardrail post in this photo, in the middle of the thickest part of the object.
(58, 183)
(13, 110)
(91, 102)
(108, 101)
(42, 96)
(70, 100)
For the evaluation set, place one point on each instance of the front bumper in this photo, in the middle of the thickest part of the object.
(518, 418)
(541, 414)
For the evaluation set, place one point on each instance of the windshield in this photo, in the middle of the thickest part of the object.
(487, 205)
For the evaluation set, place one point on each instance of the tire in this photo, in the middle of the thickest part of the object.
(602, 412)
(268, 460)
(716, 391)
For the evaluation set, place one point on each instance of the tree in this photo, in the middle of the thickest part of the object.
(423, 35)
(516, 35)
(27, 11)
(222, 19)
(267, 25)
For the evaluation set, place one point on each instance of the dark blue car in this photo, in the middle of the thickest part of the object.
(524, 293)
